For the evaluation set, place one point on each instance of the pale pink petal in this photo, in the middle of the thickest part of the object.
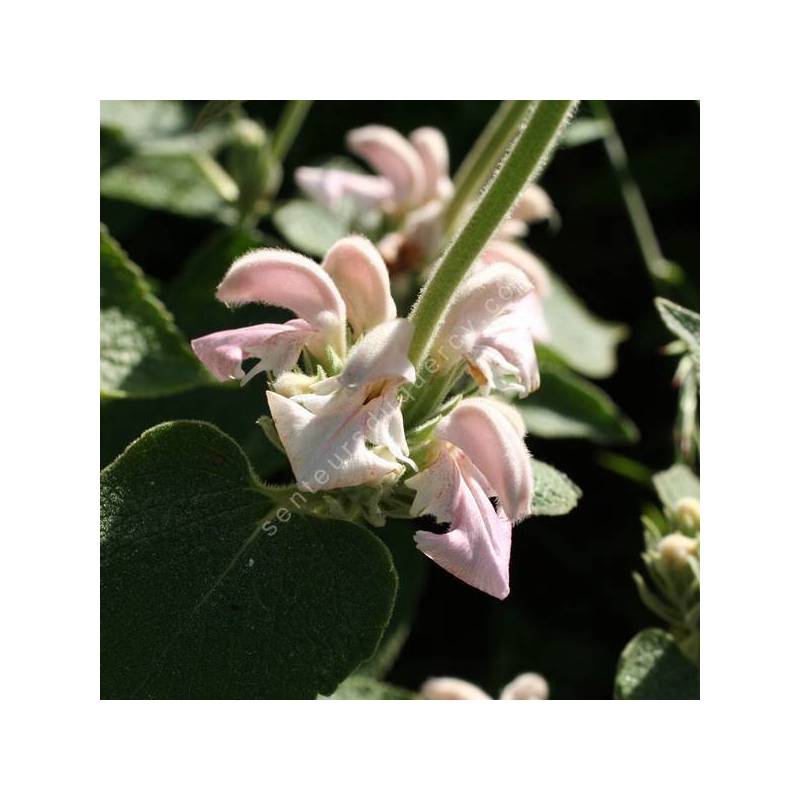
(534, 205)
(510, 413)
(477, 547)
(381, 355)
(329, 450)
(528, 686)
(502, 356)
(491, 324)
(432, 148)
(500, 251)
(511, 228)
(491, 442)
(289, 280)
(424, 229)
(331, 187)
(357, 269)
(277, 347)
(451, 689)
(390, 154)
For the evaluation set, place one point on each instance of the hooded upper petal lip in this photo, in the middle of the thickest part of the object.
(390, 154)
(360, 274)
(289, 280)
(493, 444)
(491, 324)
(432, 148)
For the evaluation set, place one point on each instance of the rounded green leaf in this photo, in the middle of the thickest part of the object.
(581, 340)
(142, 353)
(675, 483)
(568, 406)
(309, 227)
(554, 493)
(208, 591)
(652, 667)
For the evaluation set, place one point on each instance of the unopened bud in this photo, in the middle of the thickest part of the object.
(676, 549)
(687, 514)
(451, 689)
(528, 686)
(290, 384)
(251, 163)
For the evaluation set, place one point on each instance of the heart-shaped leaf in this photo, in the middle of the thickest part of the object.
(308, 226)
(652, 667)
(568, 406)
(232, 408)
(209, 591)
(142, 353)
(581, 340)
(554, 493)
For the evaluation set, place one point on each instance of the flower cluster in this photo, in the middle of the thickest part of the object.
(336, 375)
(411, 190)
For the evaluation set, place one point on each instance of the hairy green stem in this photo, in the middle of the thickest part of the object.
(484, 156)
(659, 269)
(526, 158)
(289, 124)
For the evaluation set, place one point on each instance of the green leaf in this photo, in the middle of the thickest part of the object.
(191, 295)
(554, 493)
(685, 324)
(206, 593)
(652, 667)
(140, 120)
(579, 338)
(360, 687)
(412, 571)
(188, 183)
(309, 227)
(142, 353)
(231, 408)
(675, 483)
(214, 110)
(568, 406)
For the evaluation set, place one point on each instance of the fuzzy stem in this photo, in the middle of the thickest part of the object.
(289, 124)
(525, 159)
(484, 155)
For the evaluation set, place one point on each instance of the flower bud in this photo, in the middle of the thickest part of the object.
(687, 514)
(252, 165)
(290, 384)
(675, 549)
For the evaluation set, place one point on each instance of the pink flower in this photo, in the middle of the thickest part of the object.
(479, 454)
(410, 171)
(491, 324)
(534, 205)
(352, 286)
(348, 430)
